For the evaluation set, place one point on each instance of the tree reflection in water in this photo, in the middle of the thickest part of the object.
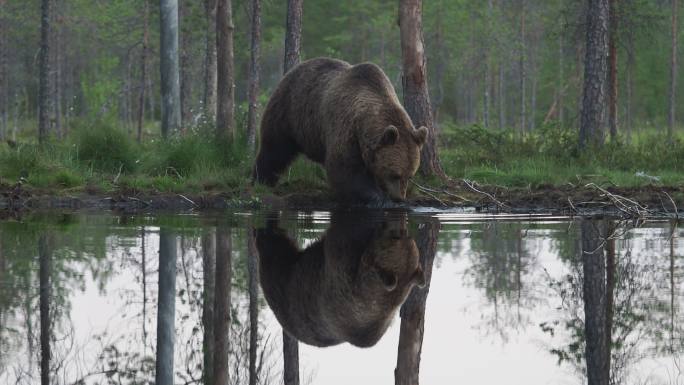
(618, 307)
(622, 289)
(503, 264)
(45, 257)
(413, 311)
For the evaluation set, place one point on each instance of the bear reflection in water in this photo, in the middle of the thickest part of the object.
(345, 287)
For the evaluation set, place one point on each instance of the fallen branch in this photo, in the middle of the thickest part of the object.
(139, 200)
(428, 192)
(471, 185)
(676, 210)
(626, 205)
(443, 191)
(188, 200)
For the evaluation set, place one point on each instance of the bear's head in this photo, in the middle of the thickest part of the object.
(395, 158)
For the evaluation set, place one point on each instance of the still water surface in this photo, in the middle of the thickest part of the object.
(494, 299)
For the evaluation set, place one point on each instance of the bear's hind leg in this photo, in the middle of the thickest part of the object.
(275, 155)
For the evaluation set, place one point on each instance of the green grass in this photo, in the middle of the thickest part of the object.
(550, 156)
(103, 157)
(100, 156)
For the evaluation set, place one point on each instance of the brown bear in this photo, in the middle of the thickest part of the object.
(347, 286)
(347, 118)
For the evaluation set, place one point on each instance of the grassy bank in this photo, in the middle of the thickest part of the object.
(102, 158)
(549, 156)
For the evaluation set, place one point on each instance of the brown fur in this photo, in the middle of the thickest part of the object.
(347, 118)
(345, 287)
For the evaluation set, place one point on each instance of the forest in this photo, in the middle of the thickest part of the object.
(134, 96)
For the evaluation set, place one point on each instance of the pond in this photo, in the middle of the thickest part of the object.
(339, 298)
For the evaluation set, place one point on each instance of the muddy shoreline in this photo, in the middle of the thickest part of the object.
(648, 201)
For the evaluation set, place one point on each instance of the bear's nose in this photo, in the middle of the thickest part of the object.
(397, 197)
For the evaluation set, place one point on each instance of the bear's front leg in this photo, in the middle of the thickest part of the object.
(352, 184)
(277, 150)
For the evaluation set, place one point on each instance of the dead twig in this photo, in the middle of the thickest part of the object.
(676, 210)
(188, 200)
(116, 178)
(471, 185)
(171, 168)
(443, 191)
(139, 200)
(456, 196)
(626, 205)
(428, 192)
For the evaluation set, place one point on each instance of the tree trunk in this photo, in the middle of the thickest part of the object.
(440, 67)
(293, 41)
(58, 85)
(412, 312)
(487, 63)
(126, 113)
(293, 34)
(485, 101)
(152, 103)
(15, 117)
(210, 62)
(45, 267)
(533, 99)
(630, 85)
(143, 68)
(613, 71)
(222, 305)
(225, 120)
(595, 68)
(166, 311)
(208, 298)
(523, 75)
(185, 68)
(501, 98)
(414, 81)
(44, 77)
(561, 80)
(4, 78)
(673, 73)
(254, 69)
(291, 360)
(57, 75)
(594, 289)
(253, 272)
(170, 71)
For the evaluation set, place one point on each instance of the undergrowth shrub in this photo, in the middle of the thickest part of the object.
(25, 159)
(474, 146)
(198, 152)
(106, 148)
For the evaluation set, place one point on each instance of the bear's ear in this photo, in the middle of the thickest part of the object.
(420, 135)
(389, 136)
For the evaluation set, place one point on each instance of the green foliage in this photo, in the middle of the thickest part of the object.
(20, 161)
(196, 153)
(105, 148)
(549, 156)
